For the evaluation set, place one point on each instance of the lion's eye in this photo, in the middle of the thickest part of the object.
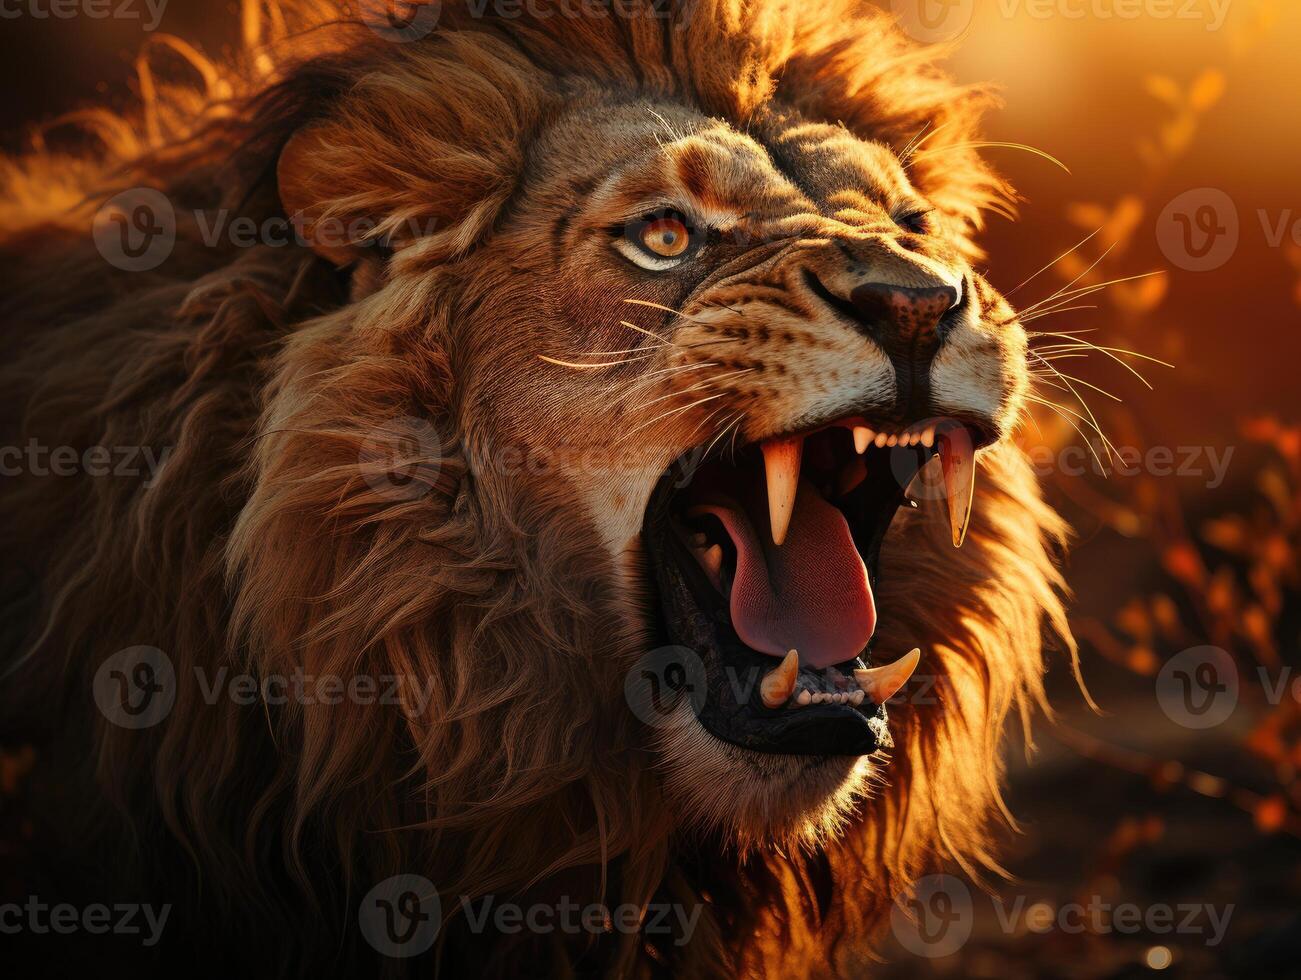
(916, 220)
(666, 237)
(658, 241)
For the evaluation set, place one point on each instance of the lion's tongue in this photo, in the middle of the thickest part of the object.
(809, 594)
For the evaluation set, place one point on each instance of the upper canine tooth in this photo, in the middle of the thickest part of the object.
(862, 438)
(958, 459)
(779, 683)
(883, 683)
(781, 463)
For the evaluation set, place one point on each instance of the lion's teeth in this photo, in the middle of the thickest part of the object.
(958, 458)
(711, 560)
(928, 436)
(803, 698)
(880, 439)
(857, 698)
(781, 463)
(779, 683)
(882, 683)
(863, 437)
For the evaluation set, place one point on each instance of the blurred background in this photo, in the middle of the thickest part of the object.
(1156, 145)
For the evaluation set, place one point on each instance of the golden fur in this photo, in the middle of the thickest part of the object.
(266, 543)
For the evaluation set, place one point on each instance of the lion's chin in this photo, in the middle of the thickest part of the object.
(757, 799)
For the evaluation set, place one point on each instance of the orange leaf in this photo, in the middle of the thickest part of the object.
(1164, 88)
(1207, 90)
(1182, 561)
(1269, 814)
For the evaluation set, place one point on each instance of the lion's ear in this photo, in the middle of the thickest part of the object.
(302, 176)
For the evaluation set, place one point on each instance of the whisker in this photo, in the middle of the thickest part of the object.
(658, 306)
(648, 333)
(1062, 333)
(1077, 344)
(675, 411)
(721, 433)
(1083, 404)
(1065, 413)
(583, 367)
(1084, 291)
(1043, 313)
(1082, 243)
(1100, 391)
(702, 384)
(983, 144)
(1061, 292)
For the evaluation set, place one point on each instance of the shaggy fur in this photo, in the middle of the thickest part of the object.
(269, 542)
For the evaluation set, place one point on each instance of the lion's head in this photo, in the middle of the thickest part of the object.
(658, 311)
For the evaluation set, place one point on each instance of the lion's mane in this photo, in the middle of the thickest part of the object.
(260, 546)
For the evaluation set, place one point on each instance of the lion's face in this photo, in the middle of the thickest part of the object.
(726, 340)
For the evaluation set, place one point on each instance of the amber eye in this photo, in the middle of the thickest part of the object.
(666, 237)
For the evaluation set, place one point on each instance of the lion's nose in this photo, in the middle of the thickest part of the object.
(903, 317)
(906, 322)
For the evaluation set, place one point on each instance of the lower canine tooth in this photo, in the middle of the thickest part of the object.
(711, 560)
(779, 683)
(882, 683)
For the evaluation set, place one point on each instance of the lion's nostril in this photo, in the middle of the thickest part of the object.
(910, 314)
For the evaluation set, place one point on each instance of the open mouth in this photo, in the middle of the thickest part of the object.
(765, 560)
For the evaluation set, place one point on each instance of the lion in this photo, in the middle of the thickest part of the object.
(610, 384)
